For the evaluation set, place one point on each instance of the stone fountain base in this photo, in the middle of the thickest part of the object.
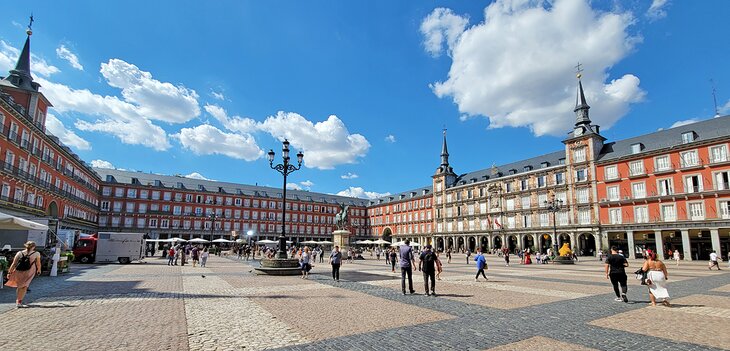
(563, 260)
(279, 266)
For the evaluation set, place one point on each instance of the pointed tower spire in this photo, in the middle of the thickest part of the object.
(20, 76)
(444, 152)
(581, 106)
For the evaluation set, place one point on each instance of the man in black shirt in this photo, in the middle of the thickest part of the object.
(615, 265)
(427, 265)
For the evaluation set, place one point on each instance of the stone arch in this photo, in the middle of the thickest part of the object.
(545, 242)
(528, 242)
(387, 234)
(497, 242)
(52, 210)
(586, 244)
(484, 243)
(512, 242)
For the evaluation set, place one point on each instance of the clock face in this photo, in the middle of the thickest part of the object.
(578, 132)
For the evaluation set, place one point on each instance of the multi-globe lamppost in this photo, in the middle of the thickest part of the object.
(212, 224)
(285, 169)
(554, 205)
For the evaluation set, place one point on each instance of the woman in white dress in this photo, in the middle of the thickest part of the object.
(656, 279)
(676, 257)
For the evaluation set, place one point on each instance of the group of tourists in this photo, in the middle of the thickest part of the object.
(181, 253)
(653, 274)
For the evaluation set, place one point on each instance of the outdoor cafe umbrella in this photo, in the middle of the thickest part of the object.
(175, 239)
(198, 240)
(309, 242)
(221, 240)
(381, 241)
(16, 223)
(325, 242)
(266, 242)
(398, 243)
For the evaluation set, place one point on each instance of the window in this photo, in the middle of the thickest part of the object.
(155, 195)
(544, 219)
(641, 214)
(527, 221)
(559, 178)
(721, 180)
(582, 195)
(167, 196)
(688, 137)
(541, 200)
(665, 187)
(579, 154)
(524, 185)
(725, 209)
(105, 205)
(638, 190)
(525, 203)
(562, 218)
(584, 216)
(696, 211)
(668, 213)
(611, 172)
(661, 163)
(119, 192)
(613, 193)
(614, 215)
(510, 204)
(581, 175)
(508, 187)
(541, 181)
(636, 167)
(130, 207)
(689, 158)
(692, 184)
(636, 148)
(106, 191)
(142, 208)
(132, 193)
(718, 153)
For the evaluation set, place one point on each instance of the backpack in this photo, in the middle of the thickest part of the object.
(23, 263)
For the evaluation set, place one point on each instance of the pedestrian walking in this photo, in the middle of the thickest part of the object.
(183, 256)
(600, 255)
(713, 261)
(616, 272)
(26, 265)
(321, 254)
(448, 255)
(427, 265)
(676, 257)
(506, 257)
(178, 252)
(468, 254)
(204, 257)
(170, 256)
(304, 263)
(656, 279)
(406, 266)
(393, 258)
(481, 263)
(195, 255)
(439, 266)
(336, 262)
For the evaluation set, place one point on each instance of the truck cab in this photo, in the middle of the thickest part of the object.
(85, 249)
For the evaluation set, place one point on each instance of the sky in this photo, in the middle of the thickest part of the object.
(363, 88)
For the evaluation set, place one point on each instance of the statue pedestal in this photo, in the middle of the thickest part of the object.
(341, 238)
(278, 266)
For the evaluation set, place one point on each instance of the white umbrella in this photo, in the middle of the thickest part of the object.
(16, 223)
(221, 240)
(398, 243)
(309, 242)
(381, 241)
(364, 242)
(172, 240)
(415, 244)
(198, 240)
(240, 241)
(325, 242)
(266, 242)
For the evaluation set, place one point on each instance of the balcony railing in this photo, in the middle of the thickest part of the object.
(24, 175)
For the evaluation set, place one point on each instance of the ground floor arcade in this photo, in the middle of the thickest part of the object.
(694, 243)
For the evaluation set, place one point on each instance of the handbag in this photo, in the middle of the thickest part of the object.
(640, 274)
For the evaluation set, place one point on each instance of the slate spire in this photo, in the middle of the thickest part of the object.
(20, 76)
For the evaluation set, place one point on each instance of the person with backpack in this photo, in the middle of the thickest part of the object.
(25, 266)
(336, 262)
(427, 265)
(481, 265)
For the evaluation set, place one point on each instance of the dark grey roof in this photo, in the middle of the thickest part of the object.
(171, 182)
(535, 163)
(415, 193)
(668, 138)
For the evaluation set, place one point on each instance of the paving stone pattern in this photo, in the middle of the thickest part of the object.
(152, 306)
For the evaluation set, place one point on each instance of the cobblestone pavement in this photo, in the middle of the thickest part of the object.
(152, 306)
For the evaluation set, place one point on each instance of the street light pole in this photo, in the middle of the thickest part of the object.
(554, 205)
(285, 169)
(212, 224)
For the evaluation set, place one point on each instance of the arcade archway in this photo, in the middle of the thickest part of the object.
(484, 243)
(497, 242)
(586, 244)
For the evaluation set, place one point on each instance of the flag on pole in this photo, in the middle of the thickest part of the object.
(496, 222)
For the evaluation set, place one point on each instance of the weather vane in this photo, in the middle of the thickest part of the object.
(30, 25)
(578, 70)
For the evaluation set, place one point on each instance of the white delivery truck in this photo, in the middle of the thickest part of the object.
(110, 247)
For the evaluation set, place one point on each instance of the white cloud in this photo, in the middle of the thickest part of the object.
(307, 183)
(516, 67)
(196, 175)
(361, 193)
(155, 100)
(66, 54)
(293, 186)
(349, 175)
(216, 95)
(66, 136)
(724, 109)
(442, 25)
(684, 122)
(234, 123)
(102, 164)
(38, 66)
(208, 140)
(390, 138)
(657, 9)
(325, 144)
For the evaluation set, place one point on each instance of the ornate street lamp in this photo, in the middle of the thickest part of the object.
(554, 205)
(285, 169)
(212, 224)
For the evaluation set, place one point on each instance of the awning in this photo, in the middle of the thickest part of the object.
(16, 223)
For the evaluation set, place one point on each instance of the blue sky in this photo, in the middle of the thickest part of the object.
(364, 88)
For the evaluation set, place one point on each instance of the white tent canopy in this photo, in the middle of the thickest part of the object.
(325, 242)
(266, 242)
(173, 240)
(381, 241)
(198, 240)
(16, 223)
(309, 242)
(364, 242)
(222, 241)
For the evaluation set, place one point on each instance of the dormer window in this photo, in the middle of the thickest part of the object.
(561, 161)
(688, 137)
(544, 164)
(527, 168)
(512, 171)
(636, 148)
